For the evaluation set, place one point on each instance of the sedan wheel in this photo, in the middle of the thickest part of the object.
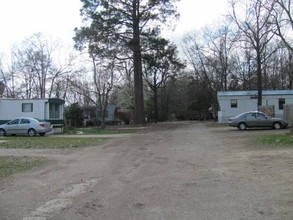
(31, 132)
(2, 132)
(242, 126)
(277, 125)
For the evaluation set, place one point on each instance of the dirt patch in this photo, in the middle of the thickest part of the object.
(177, 170)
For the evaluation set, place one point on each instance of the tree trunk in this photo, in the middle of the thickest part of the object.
(156, 104)
(138, 85)
(259, 80)
(101, 117)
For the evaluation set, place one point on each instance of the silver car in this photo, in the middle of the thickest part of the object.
(25, 126)
(256, 119)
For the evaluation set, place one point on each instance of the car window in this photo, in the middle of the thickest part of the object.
(14, 122)
(250, 115)
(261, 116)
(40, 120)
(24, 121)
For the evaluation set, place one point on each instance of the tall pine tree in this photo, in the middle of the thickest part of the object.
(119, 28)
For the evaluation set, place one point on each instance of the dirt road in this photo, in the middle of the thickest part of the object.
(182, 170)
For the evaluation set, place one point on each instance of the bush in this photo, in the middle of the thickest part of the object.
(74, 115)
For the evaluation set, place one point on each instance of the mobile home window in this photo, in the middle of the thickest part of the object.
(54, 111)
(281, 103)
(27, 107)
(233, 103)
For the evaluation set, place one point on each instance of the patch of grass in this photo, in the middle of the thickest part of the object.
(48, 142)
(96, 130)
(10, 165)
(216, 124)
(276, 139)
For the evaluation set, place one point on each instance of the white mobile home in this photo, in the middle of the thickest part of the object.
(50, 109)
(232, 103)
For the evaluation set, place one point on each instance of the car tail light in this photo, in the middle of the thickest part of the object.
(42, 124)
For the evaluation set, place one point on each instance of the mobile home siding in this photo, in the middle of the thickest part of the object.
(10, 109)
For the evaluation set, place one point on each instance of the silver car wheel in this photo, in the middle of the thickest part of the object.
(277, 125)
(2, 132)
(31, 132)
(242, 126)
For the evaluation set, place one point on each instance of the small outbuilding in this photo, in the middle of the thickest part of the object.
(232, 103)
(92, 112)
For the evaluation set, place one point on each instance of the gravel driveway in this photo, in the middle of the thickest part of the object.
(180, 170)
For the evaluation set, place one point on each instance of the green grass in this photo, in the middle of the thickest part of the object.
(10, 165)
(48, 142)
(277, 139)
(96, 130)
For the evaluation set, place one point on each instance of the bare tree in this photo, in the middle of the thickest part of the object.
(195, 52)
(221, 42)
(208, 54)
(283, 20)
(99, 89)
(254, 21)
(160, 62)
(7, 77)
(35, 66)
(244, 75)
(205, 79)
(2, 80)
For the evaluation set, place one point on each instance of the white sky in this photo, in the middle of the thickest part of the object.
(20, 19)
(194, 14)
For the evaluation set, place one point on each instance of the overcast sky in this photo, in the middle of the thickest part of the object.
(22, 18)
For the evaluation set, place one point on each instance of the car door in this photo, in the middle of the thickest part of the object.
(263, 120)
(12, 126)
(250, 119)
(24, 125)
